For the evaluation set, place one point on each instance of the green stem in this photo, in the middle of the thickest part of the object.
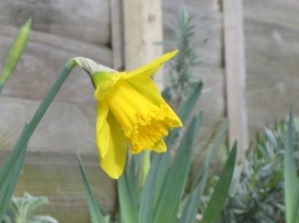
(50, 96)
(146, 163)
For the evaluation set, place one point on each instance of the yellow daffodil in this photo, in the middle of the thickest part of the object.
(131, 114)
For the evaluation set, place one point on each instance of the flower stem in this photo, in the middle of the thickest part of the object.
(50, 96)
(146, 163)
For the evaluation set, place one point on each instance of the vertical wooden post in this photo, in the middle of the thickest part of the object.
(235, 74)
(117, 35)
(142, 28)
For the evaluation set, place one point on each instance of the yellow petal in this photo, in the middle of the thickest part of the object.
(160, 147)
(151, 68)
(148, 89)
(102, 129)
(113, 162)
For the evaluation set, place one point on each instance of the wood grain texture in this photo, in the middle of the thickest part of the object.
(117, 29)
(272, 54)
(66, 127)
(235, 74)
(86, 20)
(143, 28)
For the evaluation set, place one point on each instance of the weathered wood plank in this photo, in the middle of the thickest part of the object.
(117, 34)
(143, 28)
(272, 46)
(66, 127)
(235, 74)
(86, 20)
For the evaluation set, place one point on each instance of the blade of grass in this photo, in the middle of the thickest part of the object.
(189, 212)
(96, 212)
(133, 176)
(291, 189)
(128, 207)
(15, 53)
(9, 181)
(145, 214)
(218, 198)
(168, 203)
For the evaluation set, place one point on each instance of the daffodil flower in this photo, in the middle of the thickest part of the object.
(131, 113)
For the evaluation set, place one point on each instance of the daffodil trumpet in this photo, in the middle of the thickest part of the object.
(131, 113)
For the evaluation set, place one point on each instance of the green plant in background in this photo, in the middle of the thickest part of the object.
(265, 187)
(22, 210)
(181, 72)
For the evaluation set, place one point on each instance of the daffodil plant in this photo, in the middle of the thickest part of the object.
(131, 114)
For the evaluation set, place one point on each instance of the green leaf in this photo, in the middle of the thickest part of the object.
(146, 204)
(173, 187)
(23, 208)
(15, 53)
(128, 206)
(9, 176)
(96, 213)
(190, 209)
(291, 186)
(163, 163)
(218, 198)
(133, 174)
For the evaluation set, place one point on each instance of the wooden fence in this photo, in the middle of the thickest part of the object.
(94, 29)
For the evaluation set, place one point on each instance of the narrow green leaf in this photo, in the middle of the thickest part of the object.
(15, 53)
(147, 195)
(133, 175)
(271, 138)
(164, 162)
(190, 210)
(291, 187)
(218, 198)
(9, 182)
(169, 200)
(97, 216)
(128, 206)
